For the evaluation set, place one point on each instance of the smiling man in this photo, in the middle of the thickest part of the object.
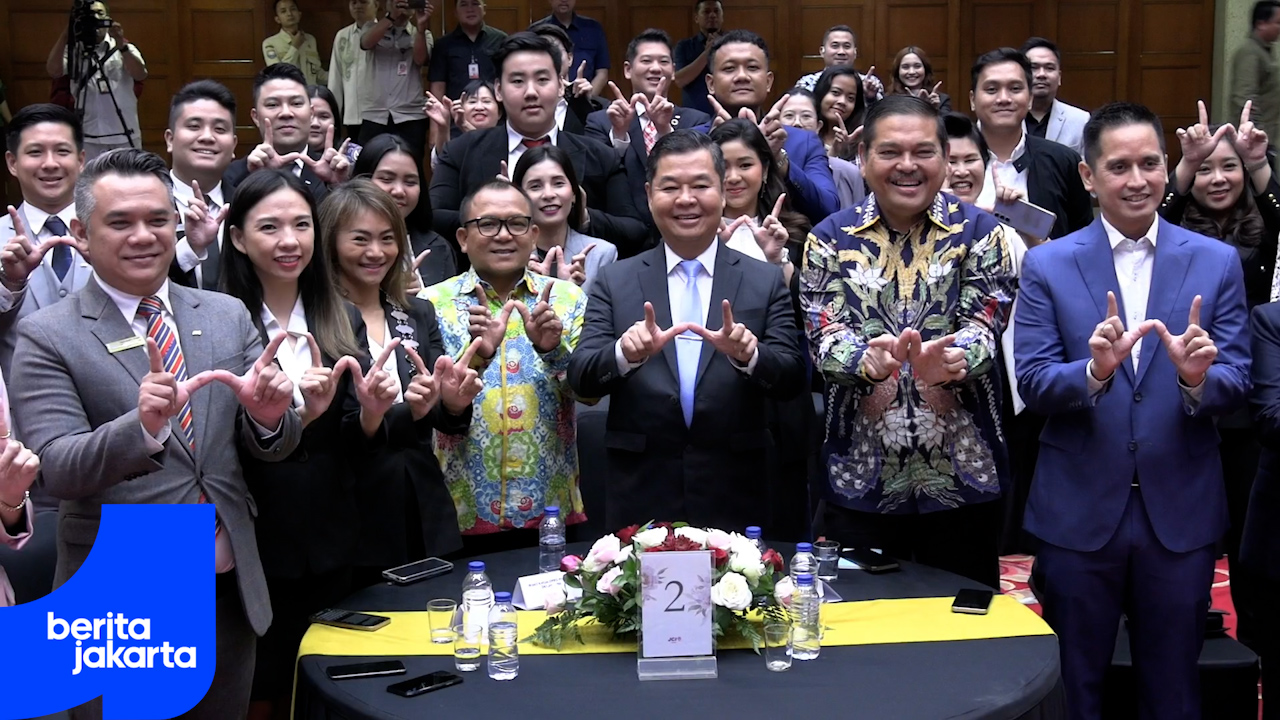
(905, 296)
(1050, 118)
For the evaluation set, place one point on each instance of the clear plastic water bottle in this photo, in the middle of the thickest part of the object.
(753, 534)
(477, 599)
(504, 653)
(803, 561)
(550, 540)
(806, 631)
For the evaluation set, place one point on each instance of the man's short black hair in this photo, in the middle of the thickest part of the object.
(896, 105)
(1114, 115)
(279, 71)
(494, 185)
(679, 142)
(202, 90)
(42, 113)
(1038, 42)
(960, 127)
(997, 57)
(1263, 11)
(732, 37)
(275, 6)
(839, 28)
(698, 3)
(552, 31)
(652, 35)
(523, 41)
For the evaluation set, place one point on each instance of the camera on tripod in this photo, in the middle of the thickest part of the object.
(86, 23)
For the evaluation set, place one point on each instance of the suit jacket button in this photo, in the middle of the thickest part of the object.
(1137, 397)
(62, 292)
(1133, 446)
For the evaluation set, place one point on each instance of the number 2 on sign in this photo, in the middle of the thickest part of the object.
(671, 606)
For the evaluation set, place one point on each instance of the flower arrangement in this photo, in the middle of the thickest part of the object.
(743, 580)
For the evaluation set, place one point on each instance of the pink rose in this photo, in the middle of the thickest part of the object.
(606, 582)
(570, 563)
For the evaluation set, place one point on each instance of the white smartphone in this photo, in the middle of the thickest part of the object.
(1025, 217)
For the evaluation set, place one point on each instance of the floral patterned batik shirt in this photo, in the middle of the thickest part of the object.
(521, 452)
(899, 446)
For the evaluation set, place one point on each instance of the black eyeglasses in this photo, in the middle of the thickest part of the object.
(491, 226)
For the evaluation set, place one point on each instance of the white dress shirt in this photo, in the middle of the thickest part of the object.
(188, 259)
(1004, 172)
(294, 354)
(516, 148)
(675, 297)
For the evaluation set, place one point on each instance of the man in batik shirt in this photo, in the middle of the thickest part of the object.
(904, 298)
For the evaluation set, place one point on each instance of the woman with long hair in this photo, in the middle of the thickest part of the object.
(913, 75)
(324, 113)
(392, 165)
(841, 106)
(547, 176)
(305, 530)
(406, 511)
(801, 110)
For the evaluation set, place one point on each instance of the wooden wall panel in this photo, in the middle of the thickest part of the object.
(816, 18)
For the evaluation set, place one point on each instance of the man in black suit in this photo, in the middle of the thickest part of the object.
(1045, 172)
(632, 125)
(282, 113)
(687, 434)
(201, 140)
(1260, 543)
(528, 86)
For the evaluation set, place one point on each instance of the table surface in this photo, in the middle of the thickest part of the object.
(996, 678)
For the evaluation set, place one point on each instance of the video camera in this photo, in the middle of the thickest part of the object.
(85, 23)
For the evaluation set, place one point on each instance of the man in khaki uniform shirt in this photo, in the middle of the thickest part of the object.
(348, 66)
(1255, 74)
(292, 45)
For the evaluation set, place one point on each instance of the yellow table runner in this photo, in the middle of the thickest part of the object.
(871, 622)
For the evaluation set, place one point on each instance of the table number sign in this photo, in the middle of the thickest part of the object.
(675, 613)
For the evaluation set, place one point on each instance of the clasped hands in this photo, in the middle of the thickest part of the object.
(645, 339)
(933, 362)
(1192, 352)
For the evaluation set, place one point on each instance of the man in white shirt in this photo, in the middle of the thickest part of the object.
(201, 139)
(397, 50)
(840, 47)
(1050, 118)
(348, 66)
(103, 84)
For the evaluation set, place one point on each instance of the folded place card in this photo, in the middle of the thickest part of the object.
(531, 590)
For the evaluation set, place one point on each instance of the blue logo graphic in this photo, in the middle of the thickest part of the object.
(134, 625)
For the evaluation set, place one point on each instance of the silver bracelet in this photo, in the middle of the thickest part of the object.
(26, 495)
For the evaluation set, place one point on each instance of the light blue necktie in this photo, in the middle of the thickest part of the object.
(689, 344)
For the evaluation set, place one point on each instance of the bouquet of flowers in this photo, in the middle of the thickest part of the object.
(743, 580)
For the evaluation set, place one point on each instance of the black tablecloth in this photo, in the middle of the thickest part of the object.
(999, 679)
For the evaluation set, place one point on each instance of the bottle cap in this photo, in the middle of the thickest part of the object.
(753, 531)
(475, 566)
(505, 597)
(804, 547)
(552, 511)
(804, 580)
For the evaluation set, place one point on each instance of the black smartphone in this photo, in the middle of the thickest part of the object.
(425, 684)
(870, 560)
(361, 670)
(973, 602)
(420, 570)
(350, 620)
(417, 4)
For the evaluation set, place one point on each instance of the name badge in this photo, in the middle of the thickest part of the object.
(402, 69)
(126, 344)
(104, 86)
(473, 71)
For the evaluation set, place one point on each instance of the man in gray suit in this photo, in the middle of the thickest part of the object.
(44, 150)
(115, 419)
(1050, 118)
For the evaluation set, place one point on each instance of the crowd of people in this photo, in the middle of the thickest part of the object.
(358, 373)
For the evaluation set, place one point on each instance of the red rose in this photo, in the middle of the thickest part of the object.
(720, 556)
(677, 543)
(772, 558)
(669, 526)
(626, 533)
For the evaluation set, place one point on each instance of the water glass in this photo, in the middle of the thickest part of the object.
(440, 612)
(828, 554)
(777, 646)
(466, 647)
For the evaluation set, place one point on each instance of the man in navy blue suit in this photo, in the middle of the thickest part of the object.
(738, 80)
(1128, 495)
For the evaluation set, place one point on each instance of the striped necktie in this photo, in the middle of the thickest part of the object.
(171, 356)
(650, 134)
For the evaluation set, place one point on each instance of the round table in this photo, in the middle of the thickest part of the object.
(1001, 678)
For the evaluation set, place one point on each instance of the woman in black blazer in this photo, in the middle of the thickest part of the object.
(407, 509)
(305, 521)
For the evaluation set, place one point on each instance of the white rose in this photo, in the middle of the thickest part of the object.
(623, 555)
(695, 534)
(783, 591)
(602, 553)
(605, 583)
(653, 537)
(732, 592)
(553, 602)
(751, 571)
(718, 539)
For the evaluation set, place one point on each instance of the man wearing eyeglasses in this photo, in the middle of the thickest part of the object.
(520, 455)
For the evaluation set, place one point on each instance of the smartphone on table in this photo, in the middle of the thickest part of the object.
(363, 670)
(350, 620)
(424, 684)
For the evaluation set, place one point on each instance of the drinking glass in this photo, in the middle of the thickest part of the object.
(440, 612)
(777, 646)
(466, 647)
(828, 554)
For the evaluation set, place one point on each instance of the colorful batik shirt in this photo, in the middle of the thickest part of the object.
(521, 453)
(900, 446)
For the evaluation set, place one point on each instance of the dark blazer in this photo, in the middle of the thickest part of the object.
(402, 480)
(1053, 183)
(469, 161)
(719, 470)
(1260, 543)
(305, 501)
(1139, 427)
(636, 159)
(209, 268)
(441, 264)
(238, 170)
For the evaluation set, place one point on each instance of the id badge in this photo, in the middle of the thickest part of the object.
(402, 69)
(473, 71)
(104, 86)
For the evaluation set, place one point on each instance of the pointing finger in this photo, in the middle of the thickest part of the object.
(267, 134)
(386, 353)
(582, 70)
(776, 110)
(505, 316)
(649, 318)
(328, 138)
(294, 157)
(546, 292)
(662, 87)
(197, 382)
(617, 93)
(504, 170)
(871, 70)
(417, 361)
(1203, 113)
(719, 109)
(316, 360)
(777, 206)
(1113, 308)
(153, 354)
(195, 190)
(421, 256)
(469, 354)
(1194, 317)
(1244, 113)
(935, 88)
(728, 315)
(481, 299)
(19, 228)
(269, 353)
